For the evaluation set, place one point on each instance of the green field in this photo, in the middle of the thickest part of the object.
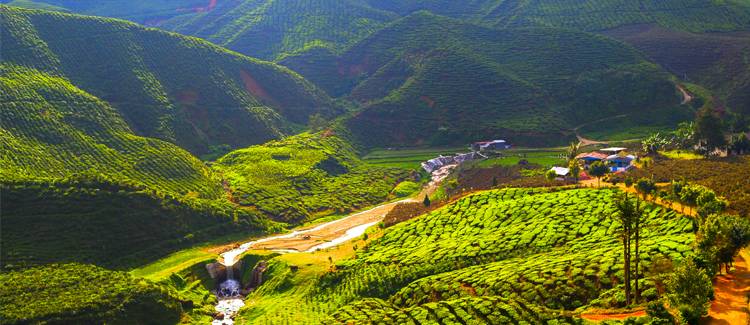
(547, 158)
(407, 158)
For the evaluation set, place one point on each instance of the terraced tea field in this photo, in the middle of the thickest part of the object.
(502, 256)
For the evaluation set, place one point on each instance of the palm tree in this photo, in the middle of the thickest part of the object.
(573, 150)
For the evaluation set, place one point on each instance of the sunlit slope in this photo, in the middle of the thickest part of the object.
(78, 185)
(427, 79)
(179, 89)
(543, 249)
(306, 176)
(51, 129)
(84, 294)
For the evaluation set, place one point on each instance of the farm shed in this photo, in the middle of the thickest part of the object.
(490, 145)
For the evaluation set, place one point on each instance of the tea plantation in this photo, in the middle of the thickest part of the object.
(83, 294)
(551, 249)
(431, 80)
(176, 88)
(306, 176)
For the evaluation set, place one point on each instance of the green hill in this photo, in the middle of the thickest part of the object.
(140, 11)
(688, 15)
(268, 28)
(431, 80)
(306, 176)
(179, 89)
(78, 185)
(716, 61)
(84, 294)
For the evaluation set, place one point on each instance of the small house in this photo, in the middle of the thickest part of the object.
(561, 172)
(620, 162)
(490, 145)
(615, 157)
(591, 157)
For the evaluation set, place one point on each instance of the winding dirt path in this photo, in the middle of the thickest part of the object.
(598, 317)
(731, 304)
(686, 96)
(338, 231)
(588, 142)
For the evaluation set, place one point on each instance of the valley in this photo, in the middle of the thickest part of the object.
(374, 162)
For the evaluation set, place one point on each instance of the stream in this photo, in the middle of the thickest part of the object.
(230, 300)
(228, 293)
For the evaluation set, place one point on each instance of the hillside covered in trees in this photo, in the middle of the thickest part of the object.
(179, 89)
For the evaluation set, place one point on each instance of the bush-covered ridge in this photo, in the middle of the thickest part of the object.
(305, 176)
(180, 89)
(51, 129)
(84, 294)
(112, 224)
(268, 29)
(431, 80)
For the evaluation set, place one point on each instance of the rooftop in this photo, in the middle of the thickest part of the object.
(613, 149)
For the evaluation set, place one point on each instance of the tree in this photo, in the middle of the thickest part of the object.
(721, 237)
(654, 143)
(689, 289)
(684, 135)
(573, 150)
(628, 181)
(598, 169)
(550, 175)
(575, 169)
(709, 131)
(626, 214)
(739, 144)
(426, 201)
(645, 187)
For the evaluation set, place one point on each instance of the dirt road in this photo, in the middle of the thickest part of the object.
(334, 232)
(730, 290)
(598, 317)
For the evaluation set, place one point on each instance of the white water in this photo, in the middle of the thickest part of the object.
(350, 234)
(230, 257)
(229, 307)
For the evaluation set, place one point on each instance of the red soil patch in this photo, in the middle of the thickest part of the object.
(351, 70)
(211, 5)
(427, 100)
(189, 97)
(730, 290)
(254, 88)
(615, 316)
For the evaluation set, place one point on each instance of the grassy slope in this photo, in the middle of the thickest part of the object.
(718, 61)
(58, 294)
(305, 176)
(51, 129)
(267, 28)
(140, 11)
(432, 80)
(183, 90)
(591, 15)
(78, 185)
